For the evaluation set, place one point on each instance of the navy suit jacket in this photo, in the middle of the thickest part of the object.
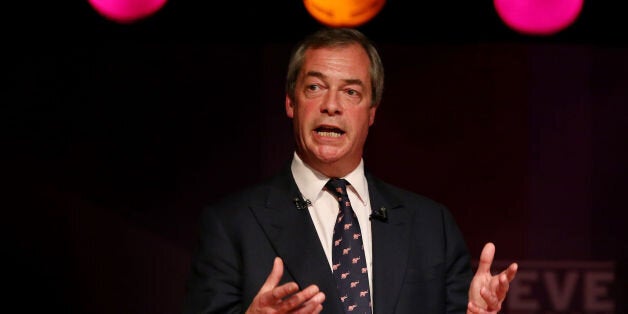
(420, 260)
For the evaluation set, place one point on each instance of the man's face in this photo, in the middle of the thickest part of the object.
(332, 109)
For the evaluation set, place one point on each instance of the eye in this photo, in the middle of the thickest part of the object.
(313, 87)
(352, 92)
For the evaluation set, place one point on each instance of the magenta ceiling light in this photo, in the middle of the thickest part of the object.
(538, 17)
(126, 11)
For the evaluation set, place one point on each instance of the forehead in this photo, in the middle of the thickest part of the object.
(350, 62)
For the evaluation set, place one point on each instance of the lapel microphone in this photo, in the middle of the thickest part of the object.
(301, 203)
(380, 214)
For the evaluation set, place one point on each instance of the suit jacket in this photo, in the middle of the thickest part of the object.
(420, 260)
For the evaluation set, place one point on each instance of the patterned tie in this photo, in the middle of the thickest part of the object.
(349, 263)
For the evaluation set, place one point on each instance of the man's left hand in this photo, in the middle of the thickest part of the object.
(487, 292)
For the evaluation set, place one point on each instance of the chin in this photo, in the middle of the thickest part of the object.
(330, 157)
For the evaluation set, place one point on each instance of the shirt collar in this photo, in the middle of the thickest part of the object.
(311, 182)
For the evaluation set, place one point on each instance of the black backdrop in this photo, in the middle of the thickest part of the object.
(117, 135)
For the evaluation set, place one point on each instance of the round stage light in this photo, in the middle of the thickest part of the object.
(126, 11)
(343, 13)
(538, 17)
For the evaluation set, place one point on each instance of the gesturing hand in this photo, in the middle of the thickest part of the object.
(487, 292)
(285, 298)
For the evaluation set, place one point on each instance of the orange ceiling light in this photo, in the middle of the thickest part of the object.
(343, 13)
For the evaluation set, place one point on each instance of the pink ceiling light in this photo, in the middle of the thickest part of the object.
(126, 11)
(538, 17)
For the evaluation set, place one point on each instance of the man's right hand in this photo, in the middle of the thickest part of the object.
(285, 298)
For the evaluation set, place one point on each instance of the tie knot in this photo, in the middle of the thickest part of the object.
(337, 186)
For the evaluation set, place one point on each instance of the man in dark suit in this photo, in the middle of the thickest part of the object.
(273, 249)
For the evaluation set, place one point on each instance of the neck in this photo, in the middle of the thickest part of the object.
(335, 169)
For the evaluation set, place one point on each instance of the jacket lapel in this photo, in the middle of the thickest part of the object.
(390, 246)
(294, 238)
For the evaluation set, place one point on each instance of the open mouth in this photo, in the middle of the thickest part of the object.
(329, 131)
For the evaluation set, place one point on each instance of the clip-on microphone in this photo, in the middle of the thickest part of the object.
(301, 203)
(380, 214)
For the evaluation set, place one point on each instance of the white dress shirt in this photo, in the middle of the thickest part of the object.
(324, 208)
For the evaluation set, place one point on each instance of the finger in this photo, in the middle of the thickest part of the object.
(471, 308)
(271, 294)
(299, 299)
(490, 298)
(503, 285)
(511, 271)
(312, 305)
(275, 275)
(474, 309)
(486, 258)
(314, 310)
(318, 309)
(284, 291)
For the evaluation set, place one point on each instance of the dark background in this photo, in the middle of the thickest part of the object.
(248, 21)
(117, 135)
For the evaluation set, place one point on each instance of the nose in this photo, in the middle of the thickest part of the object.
(331, 105)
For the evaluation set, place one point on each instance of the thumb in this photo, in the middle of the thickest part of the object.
(275, 275)
(486, 258)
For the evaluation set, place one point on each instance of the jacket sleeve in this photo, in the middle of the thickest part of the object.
(458, 267)
(215, 278)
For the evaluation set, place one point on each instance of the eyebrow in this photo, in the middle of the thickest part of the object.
(322, 76)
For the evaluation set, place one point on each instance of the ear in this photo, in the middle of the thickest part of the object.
(372, 111)
(289, 107)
